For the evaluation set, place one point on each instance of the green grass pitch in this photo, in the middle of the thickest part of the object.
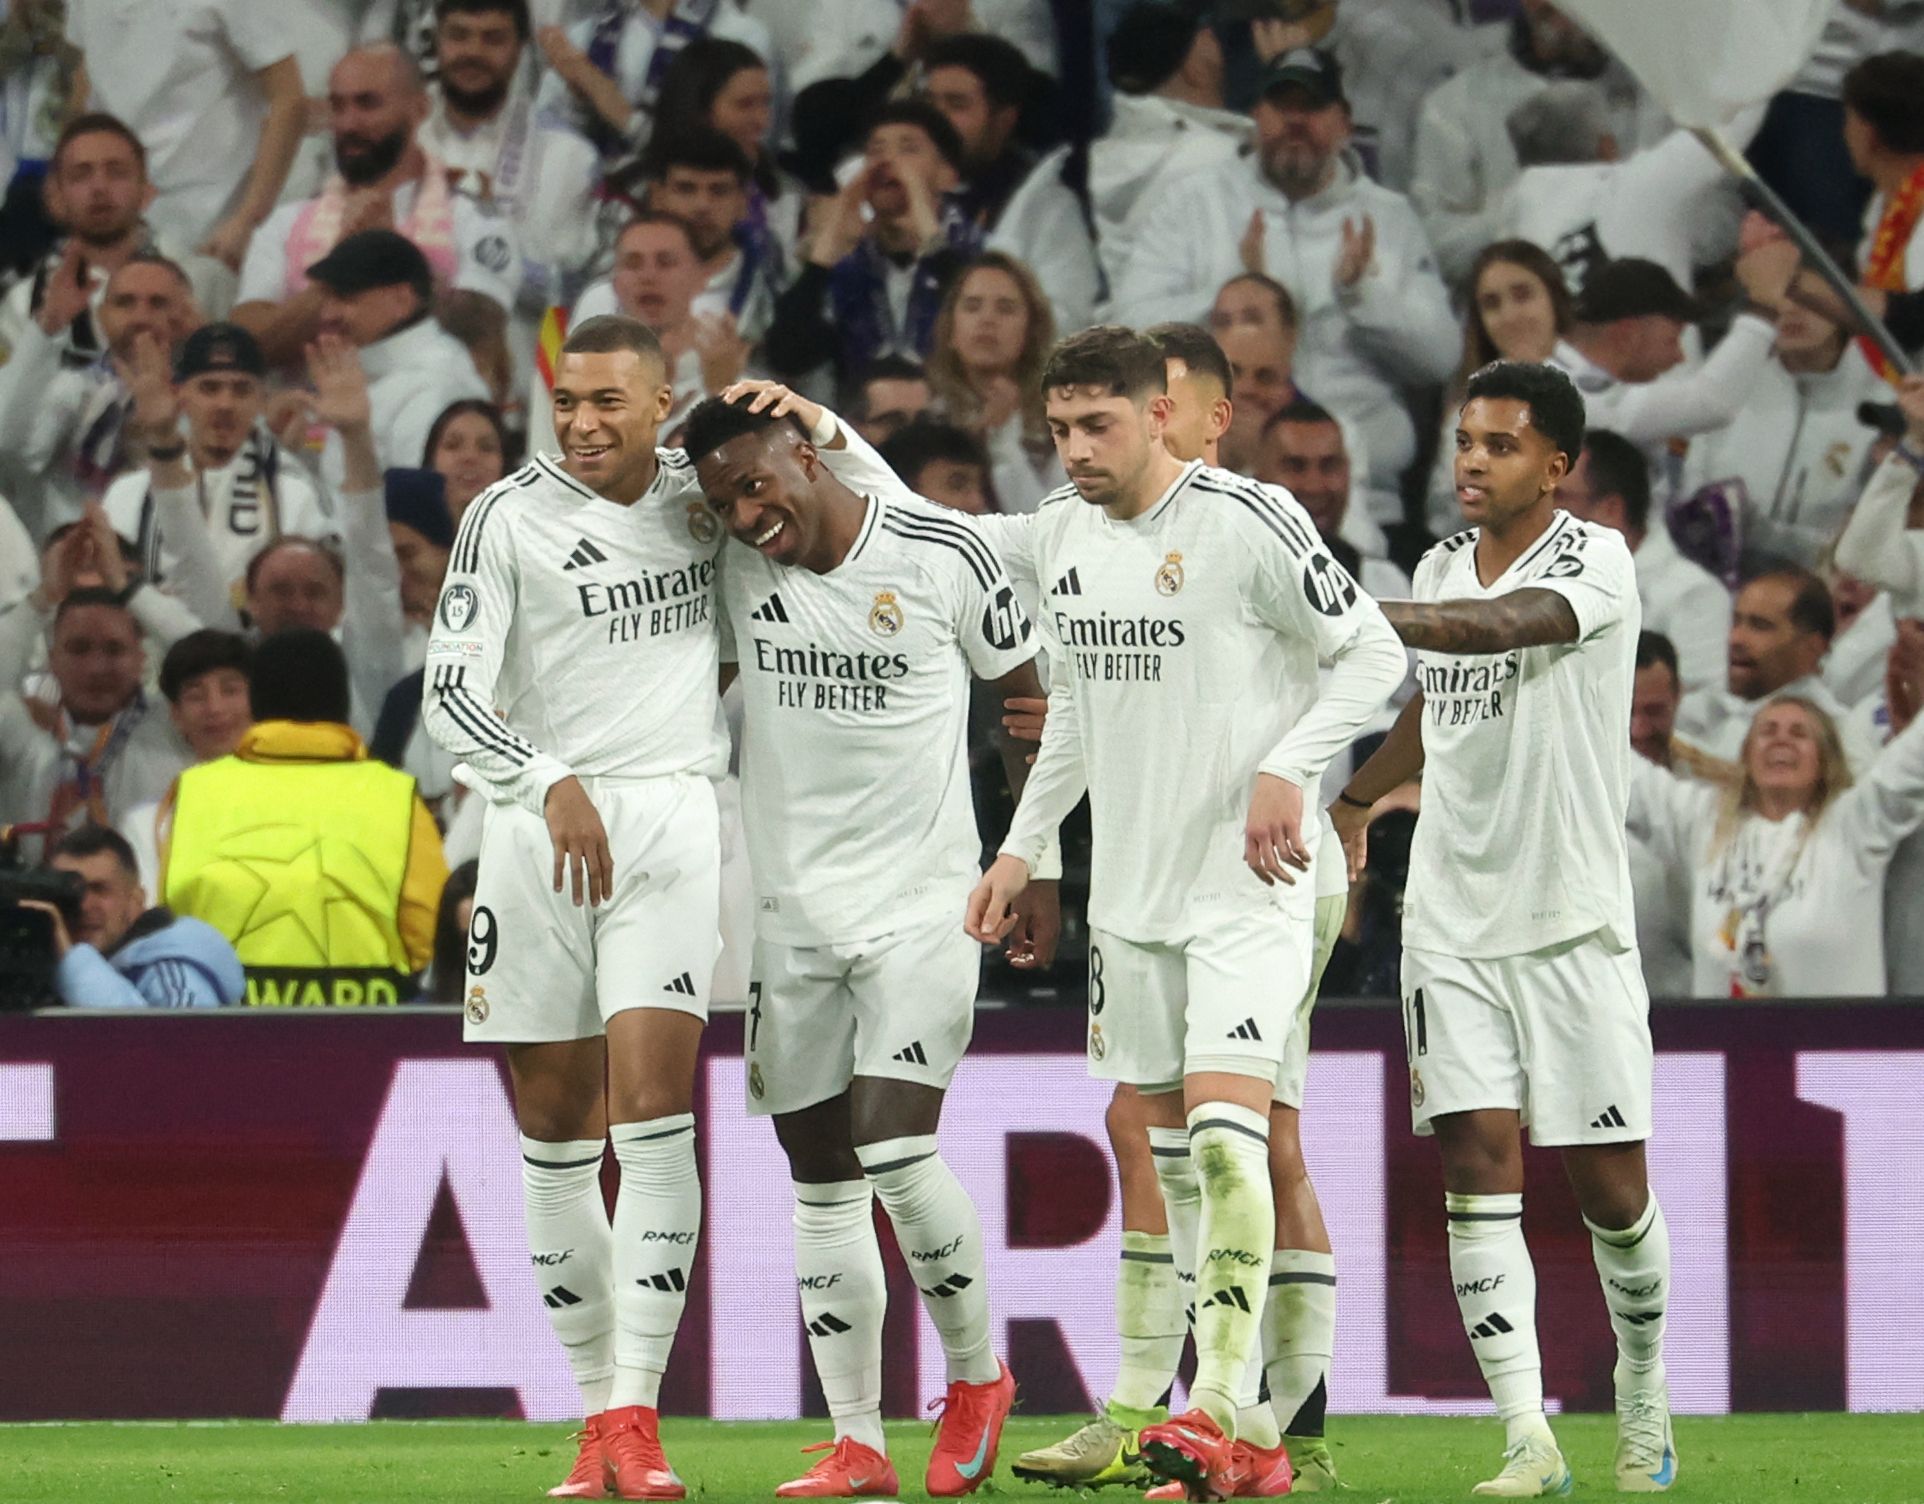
(1753, 1459)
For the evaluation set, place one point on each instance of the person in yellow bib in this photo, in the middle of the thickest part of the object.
(321, 865)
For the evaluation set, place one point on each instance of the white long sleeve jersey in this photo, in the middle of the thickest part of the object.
(1526, 758)
(855, 783)
(1183, 647)
(577, 636)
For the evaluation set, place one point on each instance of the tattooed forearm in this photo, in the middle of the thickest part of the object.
(1521, 619)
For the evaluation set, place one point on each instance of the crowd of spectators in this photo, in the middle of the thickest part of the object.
(282, 287)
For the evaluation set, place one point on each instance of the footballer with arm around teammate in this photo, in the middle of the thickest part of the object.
(858, 621)
(1187, 609)
(1523, 993)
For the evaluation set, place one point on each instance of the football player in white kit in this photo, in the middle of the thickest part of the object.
(1187, 609)
(1523, 994)
(857, 622)
(573, 667)
(1298, 1332)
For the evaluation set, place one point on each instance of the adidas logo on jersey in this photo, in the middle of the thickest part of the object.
(1609, 1118)
(585, 554)
(684, 984)
(1069, 584)
(668, 1283)
(771, 609)
(1247, 1030)
(1491, 1325)
(913, 1055)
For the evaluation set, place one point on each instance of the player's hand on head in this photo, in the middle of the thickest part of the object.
(581, 854)
(991, 911)
(1273, 835)
(773, 399)
(1038, 927)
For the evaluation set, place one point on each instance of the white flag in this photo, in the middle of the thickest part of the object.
(1705, 61)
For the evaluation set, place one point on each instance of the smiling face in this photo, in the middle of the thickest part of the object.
(1504, 464)
(1516, 311)
(1310, 461)
(761, 485)
(1783, 753)
(607, 413)
(468, 455)
(212, 712)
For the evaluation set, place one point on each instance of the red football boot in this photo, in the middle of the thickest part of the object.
(631, 1439)
(968, 1433)
(591, 1477)
(1189, 1449)
(849, 1471)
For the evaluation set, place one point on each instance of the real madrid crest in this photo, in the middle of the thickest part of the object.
(1097, 1046)
(703, 525)
(755, 1084)
(885, 616)
(1169, 574)
(1416, 1088)
(477, 1007)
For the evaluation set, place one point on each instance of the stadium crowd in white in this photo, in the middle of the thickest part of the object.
(285, 284)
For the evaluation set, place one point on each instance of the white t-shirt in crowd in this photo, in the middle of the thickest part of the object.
(1526, 758)
(856, 684)
(181, 74)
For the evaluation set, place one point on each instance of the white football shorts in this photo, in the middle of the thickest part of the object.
(900, 1006)
(541, 969)
(1562, 1035)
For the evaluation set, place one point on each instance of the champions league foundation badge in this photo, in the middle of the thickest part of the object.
(477, 1007)
(703, 525)
(885, 617)
(1169, 574)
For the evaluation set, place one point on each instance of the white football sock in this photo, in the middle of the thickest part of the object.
(1496, 1293)
(1230, 1146)
(657, 1225)
(941, 1237)
(1634, 1265)
(573, 1253)
(844, 1294)
(1149, 1317)
(1182, 1206)
(1299, 1337)
(1255, 1418)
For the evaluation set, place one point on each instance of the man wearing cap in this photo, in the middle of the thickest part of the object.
(375, 290)
(1168, 119)
(1628, 342)
(1375, 317)
(224, 469)
(383, 179)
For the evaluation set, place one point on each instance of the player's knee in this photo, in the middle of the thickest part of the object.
(817, 1162)
(641, 1101)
